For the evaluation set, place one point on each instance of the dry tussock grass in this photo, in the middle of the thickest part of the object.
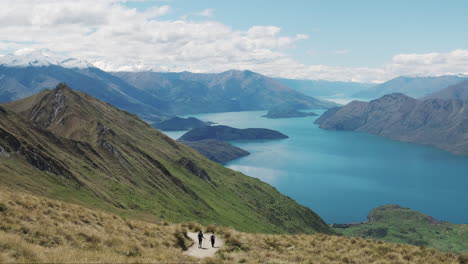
(35, 229)
(319, 248)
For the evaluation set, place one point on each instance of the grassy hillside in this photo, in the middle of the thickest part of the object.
(70, 146)
(34, 229)
(393, 223)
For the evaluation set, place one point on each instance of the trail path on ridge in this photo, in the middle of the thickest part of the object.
(207, 250)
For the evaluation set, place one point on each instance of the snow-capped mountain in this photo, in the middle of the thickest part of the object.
(37, 58)
(27, 72)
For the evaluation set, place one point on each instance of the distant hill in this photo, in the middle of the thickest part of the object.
(416, 87)
(217, 150)
(321, 88)
(190, 93)
(457, 91)
(180, 124)
(226, 133)
(437, 122)
(24, 75)
(68, 145)
(285, 111)
(393, 223)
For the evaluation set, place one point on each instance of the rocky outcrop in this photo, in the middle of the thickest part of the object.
(229, 133)
(436, 122)
(35, 156)
(194, 168)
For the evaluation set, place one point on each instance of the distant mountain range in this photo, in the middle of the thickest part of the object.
(321, 88)
(233, 90)
(457, 91)
(152, 96)
(25, 75)
(437, 122)
(68, 145)
(416, 87)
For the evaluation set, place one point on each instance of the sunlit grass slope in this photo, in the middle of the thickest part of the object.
(68, 145)
(35, 229)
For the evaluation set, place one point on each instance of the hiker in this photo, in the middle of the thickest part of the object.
(200, 239)
(212, 238)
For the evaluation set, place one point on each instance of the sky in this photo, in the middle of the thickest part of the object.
(337, 40)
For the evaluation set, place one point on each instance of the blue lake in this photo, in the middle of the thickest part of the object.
(343, 175)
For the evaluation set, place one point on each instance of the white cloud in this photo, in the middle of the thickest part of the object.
(209, 12)
(157, 11)
(115, 37)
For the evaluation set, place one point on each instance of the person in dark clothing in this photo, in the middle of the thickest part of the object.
(212, 238)
(200, 239)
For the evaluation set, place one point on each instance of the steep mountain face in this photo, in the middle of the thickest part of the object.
(325, 88)
(230, 133)
(228, 91)
(416, 87)
(24, 75)
(436, 122)
(68, 145)
(217, 150)
(456, 92)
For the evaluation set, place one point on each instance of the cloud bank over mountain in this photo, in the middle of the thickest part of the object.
(115, 37)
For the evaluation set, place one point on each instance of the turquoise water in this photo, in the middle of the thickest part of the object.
(343, 175)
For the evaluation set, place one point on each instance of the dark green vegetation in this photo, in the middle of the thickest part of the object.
(229, 91)
(416, 87)
(217, 150)
(437, 122)
(179, 124)
(68, 145)
(286, 111)
(230, 133)
(393, 223)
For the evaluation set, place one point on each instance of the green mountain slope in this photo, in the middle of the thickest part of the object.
(393, 223)
(68, 145)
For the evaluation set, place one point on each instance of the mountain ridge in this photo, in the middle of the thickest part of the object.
(436, 122)
(416, 87)
(226, 92)
(457, 91)
(77, 148)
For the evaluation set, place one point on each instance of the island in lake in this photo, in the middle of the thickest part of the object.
(229, 133)
(180, 124)
(287, 112)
